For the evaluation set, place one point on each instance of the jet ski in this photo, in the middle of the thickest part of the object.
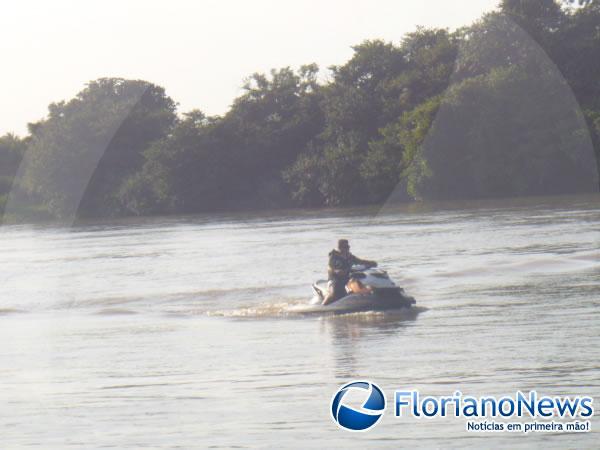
(368, 289)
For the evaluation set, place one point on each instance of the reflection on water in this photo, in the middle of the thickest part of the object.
(345, 331)
(348, 327)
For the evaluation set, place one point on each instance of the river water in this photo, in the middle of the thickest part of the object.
(180, 332)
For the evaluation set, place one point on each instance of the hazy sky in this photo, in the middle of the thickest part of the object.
(200, 51)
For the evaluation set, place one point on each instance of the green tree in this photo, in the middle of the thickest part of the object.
(370, 92)
(187, 171)
(80, 154)
(268, 127)
(507, 134)
(397, 158)
(12, 149)
(235, 161)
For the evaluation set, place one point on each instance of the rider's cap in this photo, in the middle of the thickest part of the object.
(343, 243)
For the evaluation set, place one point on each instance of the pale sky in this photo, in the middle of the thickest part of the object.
(200, 51)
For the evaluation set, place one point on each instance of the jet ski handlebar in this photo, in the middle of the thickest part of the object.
(361, 267)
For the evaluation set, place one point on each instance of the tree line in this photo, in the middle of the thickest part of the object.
(507, 106)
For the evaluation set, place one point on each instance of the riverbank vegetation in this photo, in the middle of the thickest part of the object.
(507, 106)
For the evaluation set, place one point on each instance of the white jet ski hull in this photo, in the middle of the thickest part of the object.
(385, 295)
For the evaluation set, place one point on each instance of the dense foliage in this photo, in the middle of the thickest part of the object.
(11, 153)
(507, 106)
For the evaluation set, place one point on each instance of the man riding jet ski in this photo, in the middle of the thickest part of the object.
(340, 265)
(354, 284)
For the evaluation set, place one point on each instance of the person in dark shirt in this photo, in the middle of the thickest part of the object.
(340, 264)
